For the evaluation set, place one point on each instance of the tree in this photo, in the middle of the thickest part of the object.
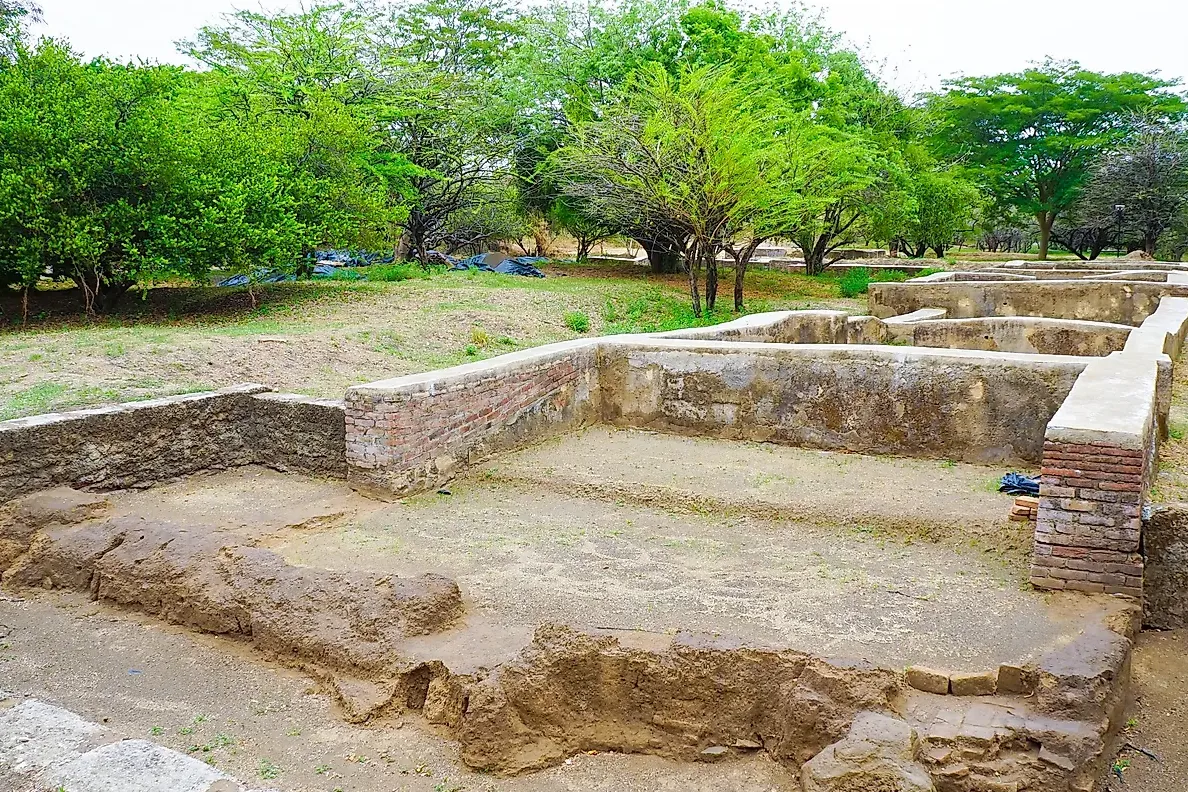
(1143, 184)
(15, 15)
(671, 154)
(1031, 138)
(945, 205)
(93, 163)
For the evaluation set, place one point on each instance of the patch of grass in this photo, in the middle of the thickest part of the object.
(856, 281)
(577, 321)
(480, 337)
(394, 273)
(267, 770)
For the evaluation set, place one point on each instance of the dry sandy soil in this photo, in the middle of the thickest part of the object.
(268, 725)
(1159, 725)
(319, 338)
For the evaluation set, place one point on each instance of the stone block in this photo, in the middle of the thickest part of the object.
(977, 684)
(928, 680)
(1015, 679)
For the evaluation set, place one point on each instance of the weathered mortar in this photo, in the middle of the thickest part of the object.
(140, 444)
(1028, 335)
(1122, 302)
(977, 407)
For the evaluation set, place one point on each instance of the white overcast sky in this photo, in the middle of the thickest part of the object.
(919, 41)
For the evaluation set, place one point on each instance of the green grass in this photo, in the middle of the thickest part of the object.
(394, 273)
(856, 281)
(577, 321)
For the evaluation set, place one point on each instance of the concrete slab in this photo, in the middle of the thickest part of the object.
(136, 766)
(35, 736)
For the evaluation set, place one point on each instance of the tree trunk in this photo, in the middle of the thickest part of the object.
(814, 255)
(694, 268)
(742, 260)
(583, 251)
(1045, 220)
(939, 250)
(711, 277)
(663, 257)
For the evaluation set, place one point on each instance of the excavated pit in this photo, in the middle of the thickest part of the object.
(624, 591)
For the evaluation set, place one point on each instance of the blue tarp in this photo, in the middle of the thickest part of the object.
(1018, 484)
(277, 276)
(522, 265)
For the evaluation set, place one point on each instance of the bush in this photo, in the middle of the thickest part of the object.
(391, 273)
(857, 281)
(577, 321)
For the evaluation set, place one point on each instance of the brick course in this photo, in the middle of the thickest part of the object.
(412, 436)
(1089, 532)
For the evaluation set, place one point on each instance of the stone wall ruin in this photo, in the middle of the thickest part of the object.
(1072, 376)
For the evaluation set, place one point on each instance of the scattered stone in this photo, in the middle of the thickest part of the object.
(714, 752)
(1056, 760)
(981, 684)
(748, 745)
(1014, 679)
(878, 754)
(928, 680)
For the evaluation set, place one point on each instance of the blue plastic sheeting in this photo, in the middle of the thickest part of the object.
(1018, 484)
(523, 265)
(277, 276)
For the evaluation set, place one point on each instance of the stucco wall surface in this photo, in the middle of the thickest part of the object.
(1024, 334)
(950, 404)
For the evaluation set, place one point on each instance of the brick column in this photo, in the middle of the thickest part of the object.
(1090, 519)
(1098, 463)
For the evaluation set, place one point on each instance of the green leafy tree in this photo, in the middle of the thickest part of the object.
(1031, 138)
(945, 205)
(675, 153)
(93, 165)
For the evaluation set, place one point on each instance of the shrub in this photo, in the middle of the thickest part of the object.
(855, 281)
(577, 321)
(390, 273)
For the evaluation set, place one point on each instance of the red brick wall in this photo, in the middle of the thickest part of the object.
(1089, 531)
(412, 436)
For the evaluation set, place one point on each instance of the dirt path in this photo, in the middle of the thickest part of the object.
(1160, 719)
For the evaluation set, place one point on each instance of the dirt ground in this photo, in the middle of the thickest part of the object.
(755, 563)
(267, 725)
(1159, 724)
(319, 338)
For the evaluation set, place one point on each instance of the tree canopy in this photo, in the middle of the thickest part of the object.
(700, 130)
(1032, 138)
